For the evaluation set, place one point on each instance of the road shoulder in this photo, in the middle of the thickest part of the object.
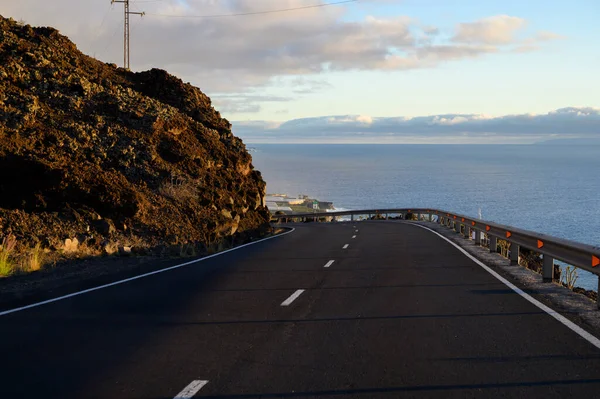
(576, 307)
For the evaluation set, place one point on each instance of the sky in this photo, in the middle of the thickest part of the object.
(364, 71)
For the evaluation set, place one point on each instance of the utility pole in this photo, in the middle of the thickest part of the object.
(126, 30)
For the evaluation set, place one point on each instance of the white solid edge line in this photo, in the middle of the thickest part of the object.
(33, 305)
(292, 298)
(329, 263)
(191, 390)
(568, 323)
(345, 246)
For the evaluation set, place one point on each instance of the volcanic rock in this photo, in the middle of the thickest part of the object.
(86, 147)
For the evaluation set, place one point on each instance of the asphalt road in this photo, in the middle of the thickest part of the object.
(399, 313)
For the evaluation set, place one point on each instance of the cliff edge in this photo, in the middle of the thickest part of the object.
(97, 156)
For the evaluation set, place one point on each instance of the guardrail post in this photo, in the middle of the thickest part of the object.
(493, 244)
(548, 269)
(467, 232)
(514, 253)
(598, 297)
(478, 237)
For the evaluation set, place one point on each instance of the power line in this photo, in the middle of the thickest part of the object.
(255, 12)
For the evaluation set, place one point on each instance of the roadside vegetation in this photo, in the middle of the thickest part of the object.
(14, 261)
(566, 276)
(570, 277)
(6, 264)
(304, 209)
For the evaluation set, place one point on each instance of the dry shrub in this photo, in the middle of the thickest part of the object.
(570, 277)
(531, 260)
(7, 266)
(34, 259)
(180, 190)
(504, 247)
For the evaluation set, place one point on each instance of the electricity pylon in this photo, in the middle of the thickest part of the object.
(126, 30)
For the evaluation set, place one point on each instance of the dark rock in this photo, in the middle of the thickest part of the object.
(82, 142)
(125, 251)
(104, 226)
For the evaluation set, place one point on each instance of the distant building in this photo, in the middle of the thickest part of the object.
(281, 202)
(273, 207)
(279, 199)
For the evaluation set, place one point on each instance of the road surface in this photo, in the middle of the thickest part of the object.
(341, 310)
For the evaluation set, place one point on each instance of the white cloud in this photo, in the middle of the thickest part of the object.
(499, 29)
(544, 36)
(366, 119)
(350, 119)
(572, 122)
(234, 54)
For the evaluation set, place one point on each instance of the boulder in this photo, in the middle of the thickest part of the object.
(104, 226)
(125, 251)
(71, 245)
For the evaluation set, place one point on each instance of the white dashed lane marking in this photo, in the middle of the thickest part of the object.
(191, 390)
(292, 298)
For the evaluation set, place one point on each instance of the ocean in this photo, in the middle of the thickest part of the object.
(549, 189)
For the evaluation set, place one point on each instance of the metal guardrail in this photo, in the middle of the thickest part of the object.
(582, 256)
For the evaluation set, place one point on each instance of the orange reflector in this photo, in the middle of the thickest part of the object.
(540, 243)
(473, 223)
(508, 234)
(447, 214)
(487, 228)
(462, 220)
(454, 216)
(595, 261)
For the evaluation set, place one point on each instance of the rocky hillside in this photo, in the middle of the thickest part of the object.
(94, 155)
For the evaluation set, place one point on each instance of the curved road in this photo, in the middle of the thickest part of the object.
(398, 313)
